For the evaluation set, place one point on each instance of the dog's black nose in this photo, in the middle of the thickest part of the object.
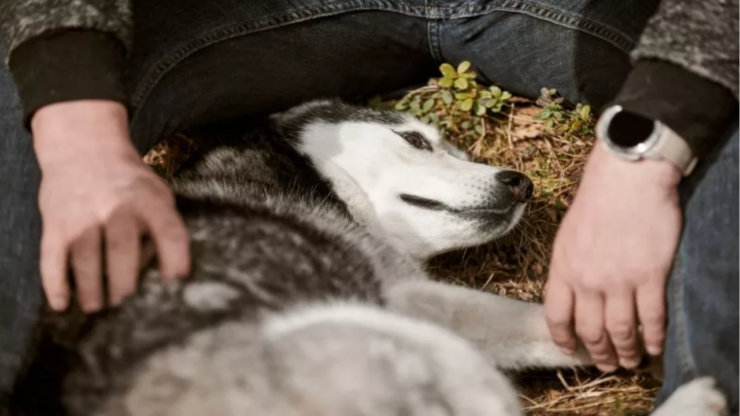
(519, 184)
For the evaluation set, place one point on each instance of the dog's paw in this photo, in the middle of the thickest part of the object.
(698, 397)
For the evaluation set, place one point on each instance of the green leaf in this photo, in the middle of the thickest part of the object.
(479, 129)
(467, 104)
(466, 125)
(445, 82)
(461, 83)
(505, 95)
(428, 105)
(479, 109)
(487, 102)
(425, 119)
(402, 105)
(558, 115)
(586, 112)
(495, 91)
(497, 108)
(485, 94)
(434, 118)
(462, 95)
(448, 70)
(446, 97)
(464, 66)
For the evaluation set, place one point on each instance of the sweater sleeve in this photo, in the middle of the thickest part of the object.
(686, 70)
(61, 50)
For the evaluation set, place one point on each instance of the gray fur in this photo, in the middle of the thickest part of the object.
(292, 309)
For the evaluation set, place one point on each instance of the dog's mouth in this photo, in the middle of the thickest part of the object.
(433, 205)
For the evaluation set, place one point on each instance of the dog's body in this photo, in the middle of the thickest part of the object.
(307, 296)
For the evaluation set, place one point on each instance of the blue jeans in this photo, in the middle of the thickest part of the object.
(197, 64)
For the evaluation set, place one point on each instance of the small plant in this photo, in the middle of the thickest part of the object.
(467, 111)
(454, 102)
(577, 121)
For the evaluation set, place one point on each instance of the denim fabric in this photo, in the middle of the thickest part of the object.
(703, 318)
(578, 47)
(349, 55)
(197, 63)
(20, 231)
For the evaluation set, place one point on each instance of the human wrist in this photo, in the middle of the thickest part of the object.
(61, 129)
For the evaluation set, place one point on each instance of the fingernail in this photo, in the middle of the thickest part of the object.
(629, 363)
(607, 368)
(92, 307)
(567, 351)
(58, 303)
(653, 350)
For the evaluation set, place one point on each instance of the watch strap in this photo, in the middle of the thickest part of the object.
(672, 147)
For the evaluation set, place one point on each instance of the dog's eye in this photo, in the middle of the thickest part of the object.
(420, 202)
(416, 139)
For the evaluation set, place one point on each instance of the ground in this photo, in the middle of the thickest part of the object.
(548, 139)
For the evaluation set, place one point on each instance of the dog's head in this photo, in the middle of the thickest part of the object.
(424, 194)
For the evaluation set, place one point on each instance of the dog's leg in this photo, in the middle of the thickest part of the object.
(513, 334)
(696, 398)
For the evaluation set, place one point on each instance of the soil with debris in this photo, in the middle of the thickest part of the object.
(548, 139)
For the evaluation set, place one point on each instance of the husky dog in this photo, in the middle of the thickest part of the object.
(307, 296)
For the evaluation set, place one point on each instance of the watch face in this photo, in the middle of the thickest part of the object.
(627, 130)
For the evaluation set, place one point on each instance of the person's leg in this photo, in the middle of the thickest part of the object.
(266, 60)
(702, 338)
(20, 233)
(579, 47)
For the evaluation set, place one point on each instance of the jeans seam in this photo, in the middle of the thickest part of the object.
(433, 35)
(561, 18)
(683, 349)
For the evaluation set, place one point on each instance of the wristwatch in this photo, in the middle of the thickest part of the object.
(634, 137)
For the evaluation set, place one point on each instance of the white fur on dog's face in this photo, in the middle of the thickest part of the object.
(426, 196)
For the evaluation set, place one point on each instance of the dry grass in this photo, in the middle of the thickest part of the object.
(515, 266)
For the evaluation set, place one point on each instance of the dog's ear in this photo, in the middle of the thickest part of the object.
(276, 118)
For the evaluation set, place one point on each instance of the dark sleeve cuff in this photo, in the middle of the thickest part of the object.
(696, 108)
(68, 65)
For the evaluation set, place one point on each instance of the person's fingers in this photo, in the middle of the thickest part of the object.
(122, 246)
(87, 267)
(622, 327)
(54, 267)
(589, 318)
(651, 313)
(171, 239)
(559, 315)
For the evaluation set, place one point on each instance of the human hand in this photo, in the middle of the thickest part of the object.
(98, 195)
(611, 258)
